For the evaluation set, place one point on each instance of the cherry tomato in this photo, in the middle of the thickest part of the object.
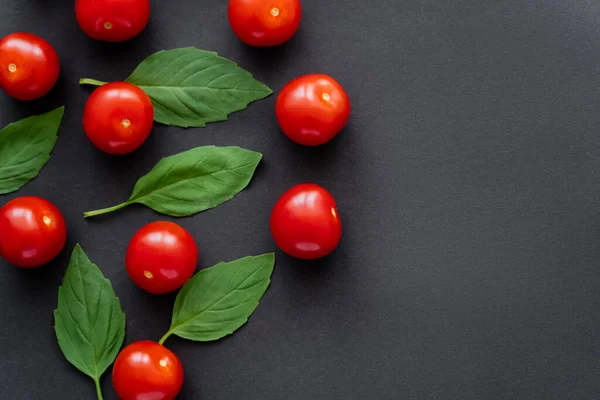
(305, 222)
(29, 66)
(161, 257)
(146, 370)
(312, 109)
(265, 23)
(112, 20)
(32, 231)
(118, 117)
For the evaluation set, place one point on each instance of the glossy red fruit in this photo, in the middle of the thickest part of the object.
(112, 20)
(146, 370)
(161, 257)
(265, 23)
(312, 109)
(305, 222)
(29, 66)
(32, 231)
(118, 117)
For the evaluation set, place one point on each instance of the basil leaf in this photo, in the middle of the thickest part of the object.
(218, 300)
(25, 147)
(89, 322)
(192, 181)
(190, 87)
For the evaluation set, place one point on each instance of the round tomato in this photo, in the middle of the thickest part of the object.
(305, 222)
(118, 117)
(161, 257)
(312, 109)
(32, 231)
(265, 22)
(29, 66)
(147, 370)
(112, 20)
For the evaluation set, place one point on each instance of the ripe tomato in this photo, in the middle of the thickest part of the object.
(118, 117)
(305, 222)
(161, 257)
(146, 370)
(265, 22)
(312, 109)
(29, 66)
(112, 20)
(32, 231)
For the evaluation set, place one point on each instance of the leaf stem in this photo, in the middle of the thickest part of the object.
(98, 388)
(165, 337)
(105, 210)
(88, 81)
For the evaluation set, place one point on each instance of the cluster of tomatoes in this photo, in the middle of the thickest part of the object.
(118, 118)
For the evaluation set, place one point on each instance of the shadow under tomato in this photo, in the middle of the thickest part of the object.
(14, 110)
(309, 273)
(115, 176)
(265, 62)
(123, 57)
(37, 281)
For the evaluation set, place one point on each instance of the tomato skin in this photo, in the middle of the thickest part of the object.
(32, 231)
(146, 370)
(29, 66)
(112, 20)
(161, 257)
(312, 109)
(118, 117)
(305, 222)
(264, 23)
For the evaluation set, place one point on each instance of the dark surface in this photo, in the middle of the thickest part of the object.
(468, 181)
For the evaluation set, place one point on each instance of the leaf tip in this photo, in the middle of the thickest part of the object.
(60, 112)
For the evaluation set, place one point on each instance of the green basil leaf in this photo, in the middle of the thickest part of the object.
(190, 87)
(218, 300)
(25, 147)
(193, 181)
(89, 322)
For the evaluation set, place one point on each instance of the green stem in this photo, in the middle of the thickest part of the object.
(105, 210)
(165, 337)
(98, 389)
(88, 81)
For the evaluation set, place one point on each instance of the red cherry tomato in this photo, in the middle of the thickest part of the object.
(112, 20)
(29, 66)
(146, 370)
(305, 222)
(265, 23)
(32, 231)
(312, 109)
(161, 257)
(118, 117)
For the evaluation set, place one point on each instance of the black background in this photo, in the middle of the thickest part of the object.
(468, 181)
